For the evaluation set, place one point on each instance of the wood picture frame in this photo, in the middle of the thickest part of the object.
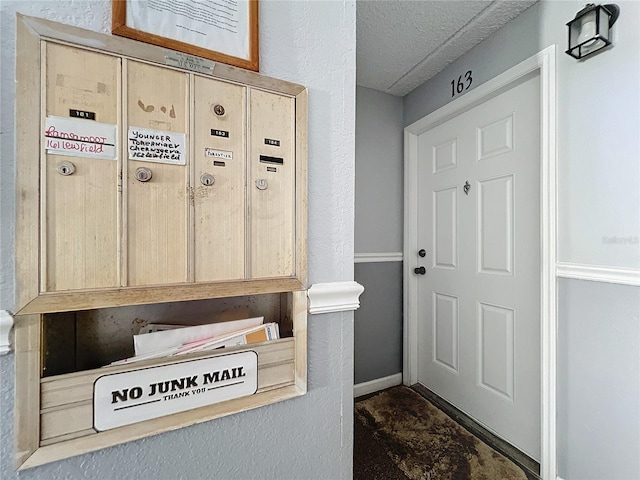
(120, 27)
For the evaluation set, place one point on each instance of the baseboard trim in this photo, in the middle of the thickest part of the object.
(376, 385)
(377, 257)
(597, 273)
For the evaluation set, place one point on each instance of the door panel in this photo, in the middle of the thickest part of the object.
(445, 228)
(479, 302)
(219, 145)
(157, 209)
(445, 331)
(80, 249)
(495, 349)
(495, 226)
(271, 214)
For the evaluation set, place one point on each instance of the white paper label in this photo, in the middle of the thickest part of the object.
(219, 25)
(157, 146)
(124, 398)
(221, 154)
(80, 138)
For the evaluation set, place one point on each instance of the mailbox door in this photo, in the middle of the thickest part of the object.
(79, 248)
(157, 187)
(219, 180)
(271, 185)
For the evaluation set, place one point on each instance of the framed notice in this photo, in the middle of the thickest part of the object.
(224, 31)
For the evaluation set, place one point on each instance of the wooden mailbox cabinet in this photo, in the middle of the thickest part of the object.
(144, 184)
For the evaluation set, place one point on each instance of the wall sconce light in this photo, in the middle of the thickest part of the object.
(590, 31)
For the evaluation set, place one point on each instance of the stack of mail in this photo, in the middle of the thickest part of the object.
(161, 340)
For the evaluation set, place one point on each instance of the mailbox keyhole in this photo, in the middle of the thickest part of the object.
(66, 168)
(218, 110)
(143, 174)
(207, 179)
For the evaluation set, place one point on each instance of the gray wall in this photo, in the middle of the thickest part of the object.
(598, 173)
(599, 381)
(379, 172)
(378, 321)
(312, 43)
(378, 229)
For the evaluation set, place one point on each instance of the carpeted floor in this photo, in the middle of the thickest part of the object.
(398, 435)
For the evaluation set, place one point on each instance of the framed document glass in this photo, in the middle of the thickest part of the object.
(225, 31)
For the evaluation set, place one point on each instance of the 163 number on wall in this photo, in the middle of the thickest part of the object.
(461, 84)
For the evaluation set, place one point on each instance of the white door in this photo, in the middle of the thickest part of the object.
(479, 300)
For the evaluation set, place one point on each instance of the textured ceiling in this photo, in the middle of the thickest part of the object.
(402, 43)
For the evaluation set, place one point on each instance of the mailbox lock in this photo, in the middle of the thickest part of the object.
(143, 174)
(261, 183)
(207, 179)
(218, 110)
(66, 168)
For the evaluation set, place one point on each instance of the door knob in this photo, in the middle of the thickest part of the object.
(419, 270)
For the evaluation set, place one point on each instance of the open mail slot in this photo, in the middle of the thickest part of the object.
(275, 160)
(80, 348)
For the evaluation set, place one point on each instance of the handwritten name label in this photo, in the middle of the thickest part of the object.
(79, 138)
(134, 396)
(157, 146)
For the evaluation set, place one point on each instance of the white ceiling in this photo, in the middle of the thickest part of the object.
(403, 43)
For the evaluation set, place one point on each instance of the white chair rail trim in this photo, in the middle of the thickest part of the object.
(377, 257)
(6, 322)
(598, 273)
(334, 297)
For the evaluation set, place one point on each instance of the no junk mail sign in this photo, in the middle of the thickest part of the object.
(124, 398)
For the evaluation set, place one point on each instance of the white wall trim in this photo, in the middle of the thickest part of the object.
(6, 323)
(377, 257)
(597, 273)
(376, 385)
(545, 63)
(334, 297)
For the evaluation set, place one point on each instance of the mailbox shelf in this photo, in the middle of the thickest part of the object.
(208, 219)
(55, 410)
(67, 400)
(88, 299)
(89, 339)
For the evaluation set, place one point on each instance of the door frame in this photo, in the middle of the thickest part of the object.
(545, 63)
